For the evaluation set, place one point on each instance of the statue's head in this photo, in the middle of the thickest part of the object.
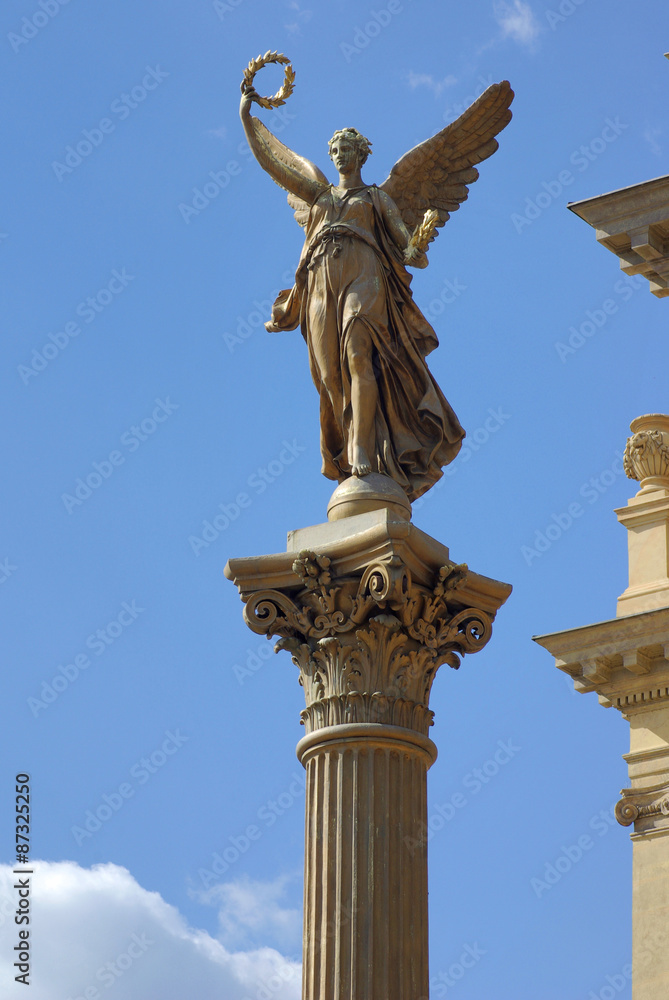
(362, 145)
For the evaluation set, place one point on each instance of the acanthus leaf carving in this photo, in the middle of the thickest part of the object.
(368, 649)
(379, 659)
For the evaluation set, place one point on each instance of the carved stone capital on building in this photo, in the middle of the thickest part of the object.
(647, 808)
(368, 616)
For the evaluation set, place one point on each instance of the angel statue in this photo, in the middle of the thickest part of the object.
(380, 408)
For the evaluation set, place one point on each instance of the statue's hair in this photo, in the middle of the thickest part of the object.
(362, 144)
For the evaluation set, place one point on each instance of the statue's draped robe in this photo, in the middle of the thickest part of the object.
(351, 271)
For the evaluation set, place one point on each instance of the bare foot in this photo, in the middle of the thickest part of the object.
(360, 465)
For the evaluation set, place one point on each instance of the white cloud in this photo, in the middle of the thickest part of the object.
(517, 21)
(303, 17)
(219, 133)
(427, 80)
(249, 911)
(651, 136)
(98, 928)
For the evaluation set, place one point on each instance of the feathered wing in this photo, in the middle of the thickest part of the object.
(436, 173)
(293, 161)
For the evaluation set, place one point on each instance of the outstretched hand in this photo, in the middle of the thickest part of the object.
(249, 96)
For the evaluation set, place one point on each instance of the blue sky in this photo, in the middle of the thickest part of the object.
(159, 380)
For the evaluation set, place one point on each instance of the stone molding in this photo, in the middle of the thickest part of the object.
(370, 736)
(633, 223)
(624, 660)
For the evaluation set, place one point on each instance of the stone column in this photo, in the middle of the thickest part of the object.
(365, 884)
(626, 662)
(369, 607)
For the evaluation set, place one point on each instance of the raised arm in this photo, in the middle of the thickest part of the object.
(286, 170)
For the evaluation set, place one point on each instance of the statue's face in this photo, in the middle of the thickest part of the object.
(345, 155)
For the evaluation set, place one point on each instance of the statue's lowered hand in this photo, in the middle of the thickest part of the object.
(421, 237)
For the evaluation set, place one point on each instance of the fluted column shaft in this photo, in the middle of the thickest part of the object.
(365, 885)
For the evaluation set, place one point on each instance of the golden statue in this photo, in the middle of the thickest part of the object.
(380, 408)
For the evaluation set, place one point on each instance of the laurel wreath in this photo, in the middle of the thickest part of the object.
(288, 86)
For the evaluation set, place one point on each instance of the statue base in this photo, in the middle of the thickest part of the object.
(362, 494)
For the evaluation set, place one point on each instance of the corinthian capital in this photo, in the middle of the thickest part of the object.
(368, 618)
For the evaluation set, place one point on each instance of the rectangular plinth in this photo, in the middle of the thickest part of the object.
(646, 518)
(354, 543)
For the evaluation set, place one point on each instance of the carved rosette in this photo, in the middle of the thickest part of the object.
(646, 456)
(368, 648)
